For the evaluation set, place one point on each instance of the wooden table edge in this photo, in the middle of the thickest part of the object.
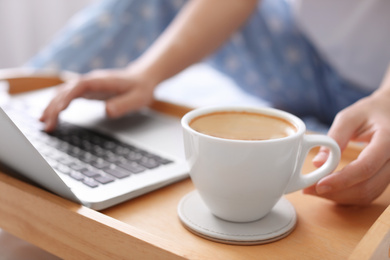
(69, 230)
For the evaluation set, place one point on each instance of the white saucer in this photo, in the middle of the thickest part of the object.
(197, 218)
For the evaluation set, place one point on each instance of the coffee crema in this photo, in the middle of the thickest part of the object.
(243, 125)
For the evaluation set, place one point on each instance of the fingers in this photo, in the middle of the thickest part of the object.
(343, 130)
(360, 194)
(86, 86)
(345, 126)
(61, 101)
(369, 162)
(321, 157)
(362, 180)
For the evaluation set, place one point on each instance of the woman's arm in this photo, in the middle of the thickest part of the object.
(198, 30)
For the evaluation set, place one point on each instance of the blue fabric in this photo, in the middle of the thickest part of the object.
(269, 57)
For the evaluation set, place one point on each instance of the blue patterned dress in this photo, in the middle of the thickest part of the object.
(268, 57)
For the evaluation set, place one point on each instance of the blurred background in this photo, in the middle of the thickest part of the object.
(27, 25)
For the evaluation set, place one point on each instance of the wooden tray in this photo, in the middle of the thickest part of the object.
(148, 227)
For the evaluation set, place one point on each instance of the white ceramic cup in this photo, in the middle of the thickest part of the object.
(242, 180)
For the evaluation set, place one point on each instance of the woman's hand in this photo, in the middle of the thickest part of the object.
(198, 30)
(365, 178)
(124, 90)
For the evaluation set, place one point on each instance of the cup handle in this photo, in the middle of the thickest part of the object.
(300, 181)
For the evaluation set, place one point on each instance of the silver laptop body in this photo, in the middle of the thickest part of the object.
(149, 131)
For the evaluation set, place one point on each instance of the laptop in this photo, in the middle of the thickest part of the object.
(90, 159)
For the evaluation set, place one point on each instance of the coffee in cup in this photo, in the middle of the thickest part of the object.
(242, 125)
(242, 160)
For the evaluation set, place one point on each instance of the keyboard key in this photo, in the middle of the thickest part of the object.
(117, 172)
(77, 175)
(100, 164)
(78, 166)
(121, 150)
(90, 173)
(90, 182)
(134, 156)
(75, 151)
(111, 157)
(162, 160)
(63, 169)
(87, 157)
(132, 167)
(149, 163)
(51, 153)
(109, 145)
(86, 145)
(104, 179)
(65, 160)
(97, 150)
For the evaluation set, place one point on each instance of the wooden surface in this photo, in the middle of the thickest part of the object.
(376, 243)
(324, 230)
(26, 79)
(148, 227)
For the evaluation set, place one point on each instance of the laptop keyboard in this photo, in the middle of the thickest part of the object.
(85, 155)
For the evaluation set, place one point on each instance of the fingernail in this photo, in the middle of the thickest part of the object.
(48, 125)
(323, 189)
(308, 192)
(320, 157)
(111, 110)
